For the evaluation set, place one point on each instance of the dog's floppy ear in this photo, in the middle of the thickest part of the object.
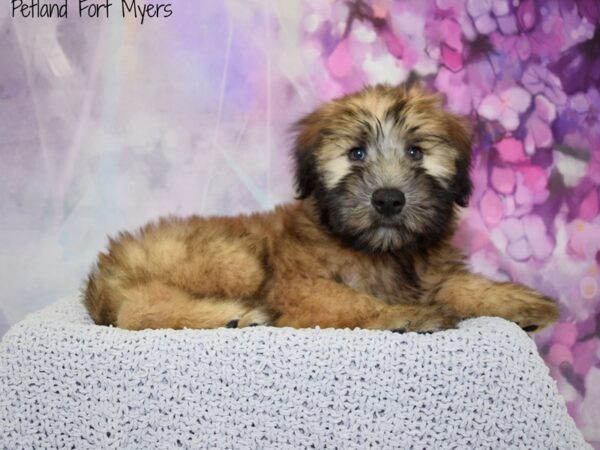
(460, 135)
(464, 186)
(308, 133)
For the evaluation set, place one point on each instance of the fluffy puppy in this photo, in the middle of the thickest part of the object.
(380, 175)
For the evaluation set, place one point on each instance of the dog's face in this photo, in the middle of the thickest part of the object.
(385, 166)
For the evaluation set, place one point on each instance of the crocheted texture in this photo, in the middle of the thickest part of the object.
(65, 382)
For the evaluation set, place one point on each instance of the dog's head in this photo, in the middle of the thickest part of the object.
(385, 166)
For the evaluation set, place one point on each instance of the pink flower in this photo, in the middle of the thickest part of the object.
(560, 353)
(340, 63)
(584, 353)
(565, 333)
(491, 208)
(458, 95)
(451, 34)
(541, 244)
(451, 58)
(380, 8)
(466, 88)
(531, 189)
(584, 239)
(503, 180)
(392, 42)
(451, 49)
(510, 150)
(517, 246)
(505, 107)
(534, 177)
(526, 238)
(588, 209)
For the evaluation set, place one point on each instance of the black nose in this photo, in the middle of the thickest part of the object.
(387, 201)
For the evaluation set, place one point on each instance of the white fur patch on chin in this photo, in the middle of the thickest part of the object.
(385, 238)
(334, 171)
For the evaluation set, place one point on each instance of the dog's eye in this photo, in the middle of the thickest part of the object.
(414, 153)
(357, 154)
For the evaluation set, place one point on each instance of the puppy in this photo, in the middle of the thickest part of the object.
(380, 175)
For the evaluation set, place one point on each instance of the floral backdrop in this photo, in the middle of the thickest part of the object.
(107, 123)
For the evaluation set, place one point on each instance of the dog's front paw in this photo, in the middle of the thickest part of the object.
(536, 314)
(440, 318)
(419, 318)
(531, 310)
(253, 317)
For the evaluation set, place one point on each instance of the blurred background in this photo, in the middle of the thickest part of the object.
(106, 124)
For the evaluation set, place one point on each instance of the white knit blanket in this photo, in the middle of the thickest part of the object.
(67, 383)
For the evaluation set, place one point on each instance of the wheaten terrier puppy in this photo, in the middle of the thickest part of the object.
(380, 175)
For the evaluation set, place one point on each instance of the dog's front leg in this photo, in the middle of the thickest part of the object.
(472, 295)
(306, 302)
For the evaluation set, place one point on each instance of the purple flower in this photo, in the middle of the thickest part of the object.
(527, 237)
(539, 80)
(481, 13)
(579, 67)
(539, 133)
(588, 9)
(506, 106)
(527, 15)
(541, 38)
